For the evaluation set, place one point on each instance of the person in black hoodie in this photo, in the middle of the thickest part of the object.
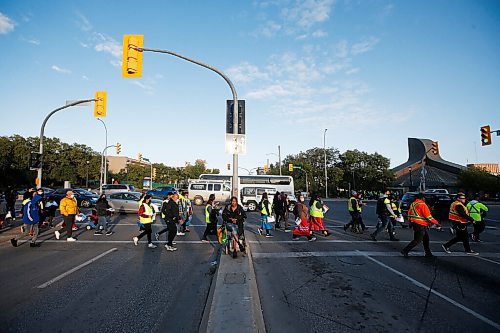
(102, 207)
(170, 211)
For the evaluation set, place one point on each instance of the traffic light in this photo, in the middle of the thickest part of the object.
(435, 148)
(485, 135)
(290, 167)
(154, 172)
(100, 104)
(266, 168)
(118, 149)
(35, 161)
(132, 55)
(139, 157)
(229, 166)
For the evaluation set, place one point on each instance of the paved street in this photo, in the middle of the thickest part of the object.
(342, 283)
(347, 282)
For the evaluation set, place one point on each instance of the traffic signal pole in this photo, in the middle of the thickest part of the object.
(104, 151)
(235, 106)
(42, 131)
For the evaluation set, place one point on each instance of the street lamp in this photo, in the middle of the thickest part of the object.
(104, 158)
(87, 181)
(326, 173)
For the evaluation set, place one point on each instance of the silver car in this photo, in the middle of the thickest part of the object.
(128, 202)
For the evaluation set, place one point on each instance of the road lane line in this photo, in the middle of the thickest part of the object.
(357, 253)
(59, 277)
(346, 241)
(488, 260)
(426, 288)
(103, 241)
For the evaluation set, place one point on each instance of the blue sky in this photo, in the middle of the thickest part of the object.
(373, 72)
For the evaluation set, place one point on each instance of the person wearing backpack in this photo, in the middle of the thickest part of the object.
(31, 217)
(384, 211)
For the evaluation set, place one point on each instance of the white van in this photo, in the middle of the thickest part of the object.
(200, 190)
(251, 196)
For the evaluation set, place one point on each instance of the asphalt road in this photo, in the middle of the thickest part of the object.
(346, 282)
(115, 286)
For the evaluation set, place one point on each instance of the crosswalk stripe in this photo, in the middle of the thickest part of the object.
(356, 253)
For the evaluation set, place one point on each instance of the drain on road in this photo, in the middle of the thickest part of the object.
(234, 278)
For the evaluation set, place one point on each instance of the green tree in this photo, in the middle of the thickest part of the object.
(478, 180)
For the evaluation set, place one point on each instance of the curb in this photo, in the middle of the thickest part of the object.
(236, 297)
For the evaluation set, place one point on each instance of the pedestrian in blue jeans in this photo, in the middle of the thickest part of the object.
(384, 211)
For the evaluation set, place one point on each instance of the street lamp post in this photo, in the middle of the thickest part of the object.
(87, 181)
(326, 173)
(151, 177)
(279, 158)
(103, 152)
(104, 158)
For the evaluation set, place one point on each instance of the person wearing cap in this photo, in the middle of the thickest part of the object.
(460, 217)
(420, 218)
(69, 209)
(384, 211)
(477, 211)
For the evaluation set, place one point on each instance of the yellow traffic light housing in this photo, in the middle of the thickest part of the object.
(435, 148)
(100, 104)
(485, 135)
(139, 157)
(132, 55)
(118, 149)
(154, 172)
(266, 168)
(290, 167)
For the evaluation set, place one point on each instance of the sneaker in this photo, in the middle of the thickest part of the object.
(13, 241)
(170, 248)
(313, 239)
(260, 231)
(34, 244)
(204, 240)
(58, 234)
(152, 246)
(157, 236)
(98, 233)
(174, 243)
(472, 253)
(269, 236)
(71, 239)
(187, 230)
(180, 233)
(109, 233)
(295, 238)
(447, 250)
(404, 253)
(288, 230)
(136, 241)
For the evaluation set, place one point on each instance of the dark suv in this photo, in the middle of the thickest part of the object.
(161, 192)
(438, 203)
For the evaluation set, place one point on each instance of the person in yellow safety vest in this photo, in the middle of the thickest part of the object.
(354, 209)
(397, 211)
(188, 211)
(266, 212)
(419, 216)
(146, 219)
(317, 212)
(211, 213)
(459, 216)
(477, 210)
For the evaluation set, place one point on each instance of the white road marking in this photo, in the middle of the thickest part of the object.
(444, 297)
(106, 241)
(357, 253)
(59, 277)
(346, 241)
(488, 260)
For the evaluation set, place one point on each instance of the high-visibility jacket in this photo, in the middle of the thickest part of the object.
(265, 211)
(350, 207)
(395, 208)
(207, 214)
(164, 202)
(475, 208)
(454, 216)
(420, 213)
(315, 211)
(148, 214)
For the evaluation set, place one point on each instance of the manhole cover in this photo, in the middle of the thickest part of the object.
(234, 278)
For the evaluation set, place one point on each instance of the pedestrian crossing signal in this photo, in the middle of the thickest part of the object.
(435, 148)
(485, 135)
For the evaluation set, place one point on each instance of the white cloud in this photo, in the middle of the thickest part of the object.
(364, 46)
(34, 41)
(6, 24)
(319, 34)
(341, 49)
(246, 72)
(110, 46)
(309, 12)
(269, 29)
(84, 77)
(60, 70)
(85, 45)
(116, 63)
(83, 23)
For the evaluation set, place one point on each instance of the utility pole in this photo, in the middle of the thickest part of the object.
(326, 173)
(279, 158)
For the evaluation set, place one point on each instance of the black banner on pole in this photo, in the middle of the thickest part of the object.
(241, 116)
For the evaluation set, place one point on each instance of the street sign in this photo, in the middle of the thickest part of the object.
(236, 144)
(229, 117)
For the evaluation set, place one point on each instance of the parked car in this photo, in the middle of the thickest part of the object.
(161, 192)
(437, 191)
(128, 202)
(438, 203)
(83, 197)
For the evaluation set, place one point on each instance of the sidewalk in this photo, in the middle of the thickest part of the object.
(236, 303)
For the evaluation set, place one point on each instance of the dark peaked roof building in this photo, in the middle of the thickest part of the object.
(438, 173)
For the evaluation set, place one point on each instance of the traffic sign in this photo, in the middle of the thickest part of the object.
(229, 117)
(236, 144)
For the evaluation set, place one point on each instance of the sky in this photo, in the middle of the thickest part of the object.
(372, 72)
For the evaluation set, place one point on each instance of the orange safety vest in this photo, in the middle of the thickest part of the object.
(453, 216)
(415, 217)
